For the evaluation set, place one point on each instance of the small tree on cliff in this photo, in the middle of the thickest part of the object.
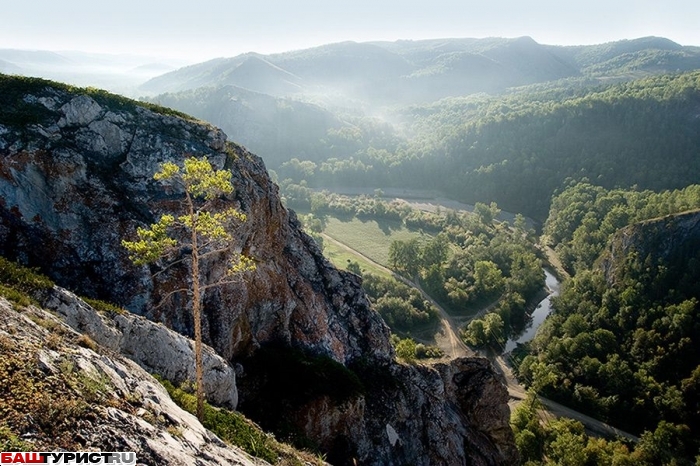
(199, 228)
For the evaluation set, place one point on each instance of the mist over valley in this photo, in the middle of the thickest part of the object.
(429, 251)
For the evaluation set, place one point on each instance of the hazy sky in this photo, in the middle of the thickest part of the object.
(202, 29)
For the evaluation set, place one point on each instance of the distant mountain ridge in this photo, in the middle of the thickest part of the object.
(419, 71)
(117, 73)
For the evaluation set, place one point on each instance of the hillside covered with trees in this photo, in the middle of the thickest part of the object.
(512, 120)
(518, 150)
(623, 341)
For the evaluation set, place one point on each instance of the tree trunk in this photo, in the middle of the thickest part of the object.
(197, 315)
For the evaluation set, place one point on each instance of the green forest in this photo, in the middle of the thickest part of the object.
(592, 164)
(466, 261)
(623, 341)
(597, 161)
(595, 148)
(518, 149)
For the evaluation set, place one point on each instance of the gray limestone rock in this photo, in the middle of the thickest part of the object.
(152, 346)
(79, 111)
(159, 432)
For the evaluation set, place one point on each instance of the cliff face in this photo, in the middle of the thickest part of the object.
(76, 174)
(671, 242)
(78, 179)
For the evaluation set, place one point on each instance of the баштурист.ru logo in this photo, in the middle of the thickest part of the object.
(68, 458)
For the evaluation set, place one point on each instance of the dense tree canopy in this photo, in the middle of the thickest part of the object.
(518, 149)
(623, 342)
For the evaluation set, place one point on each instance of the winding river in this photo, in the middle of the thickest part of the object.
(539, 314)
(431, 201)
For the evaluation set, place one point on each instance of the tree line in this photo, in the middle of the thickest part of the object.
(518, 149)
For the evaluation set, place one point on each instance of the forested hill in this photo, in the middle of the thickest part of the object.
(623, 341)
(518, 150)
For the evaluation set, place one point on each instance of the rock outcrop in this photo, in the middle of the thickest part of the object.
(152, 346)
(79, 179)
(76, 177)
(122, 407)
(670, 241)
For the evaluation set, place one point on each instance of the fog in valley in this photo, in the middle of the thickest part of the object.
(509, 180)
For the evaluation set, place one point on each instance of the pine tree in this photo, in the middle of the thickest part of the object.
(200, 228)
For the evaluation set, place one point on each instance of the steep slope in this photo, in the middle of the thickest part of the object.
(518, 150)
(76, 173)
(667, 246)
(78, 180)
(62, 391)
(623, 341)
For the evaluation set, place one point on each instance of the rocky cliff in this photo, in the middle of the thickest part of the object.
(671, 242)
(76, 170)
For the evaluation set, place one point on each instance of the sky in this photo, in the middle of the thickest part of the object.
(197, 30)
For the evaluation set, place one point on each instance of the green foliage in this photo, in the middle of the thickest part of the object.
(424, 351)
(371, 238)
(20, 284)
(153, 243)
(518, 149)
(11, 442)
(404, 256)
(230, 426)
(22, 278)
(489, 331)
(625, 349)
(212, 223)
(564, 442)
(402, 307)
(17, 298)
(104, 307)
(204, 227)
(584, 216)
(408, 350)
(354, 267)
(468, 264)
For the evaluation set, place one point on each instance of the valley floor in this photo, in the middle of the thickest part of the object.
(446, 337)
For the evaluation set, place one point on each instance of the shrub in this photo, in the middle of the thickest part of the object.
(230, 426)
(86, 342)
(104, 307)
(22, 278)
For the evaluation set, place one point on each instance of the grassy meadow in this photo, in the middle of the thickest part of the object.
(369, 237)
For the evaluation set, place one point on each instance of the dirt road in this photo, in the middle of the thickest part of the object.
(447, 339)
(593, 426)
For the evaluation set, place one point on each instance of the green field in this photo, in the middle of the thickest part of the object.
(370, 237)
(340, 257)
